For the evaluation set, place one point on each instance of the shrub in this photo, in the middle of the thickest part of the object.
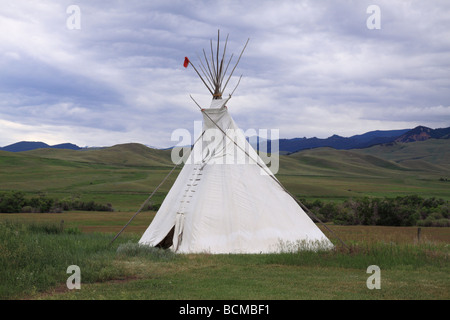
(12, 201)
(328, 211)
(41, 203)
(400, 211)
(344, 216)
(15, 201)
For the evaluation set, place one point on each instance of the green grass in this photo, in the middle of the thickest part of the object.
(34, 258)
(121, 175)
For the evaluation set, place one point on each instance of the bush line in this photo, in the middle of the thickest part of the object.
(410, 210)
(15, 201)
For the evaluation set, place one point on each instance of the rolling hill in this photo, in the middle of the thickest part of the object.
(430, 154)
(129, 154)
(124, 175)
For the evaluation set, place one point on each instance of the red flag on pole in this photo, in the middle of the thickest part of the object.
(186, 62)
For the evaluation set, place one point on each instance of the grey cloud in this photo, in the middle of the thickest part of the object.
(311, 67)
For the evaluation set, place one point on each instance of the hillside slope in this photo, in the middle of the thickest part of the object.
(129, 154)
(431, 152)
(124, 175)
(396, 169)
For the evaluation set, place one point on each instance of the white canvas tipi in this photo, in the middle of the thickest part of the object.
(225, 199)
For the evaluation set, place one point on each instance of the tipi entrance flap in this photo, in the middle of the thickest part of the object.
(167, 241)
(178, 231)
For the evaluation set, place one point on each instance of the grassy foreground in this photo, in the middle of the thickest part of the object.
(34, 258)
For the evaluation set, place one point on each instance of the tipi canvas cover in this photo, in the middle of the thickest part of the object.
(223, 201)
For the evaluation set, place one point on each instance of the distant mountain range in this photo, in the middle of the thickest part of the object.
(362, 141)
(341, 143)
(286, 146)
(31, 145)
(423, 133)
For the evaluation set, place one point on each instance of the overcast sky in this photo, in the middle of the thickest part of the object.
(311, 68)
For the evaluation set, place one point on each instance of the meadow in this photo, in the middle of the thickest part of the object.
(35, 257)
(37, 248)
